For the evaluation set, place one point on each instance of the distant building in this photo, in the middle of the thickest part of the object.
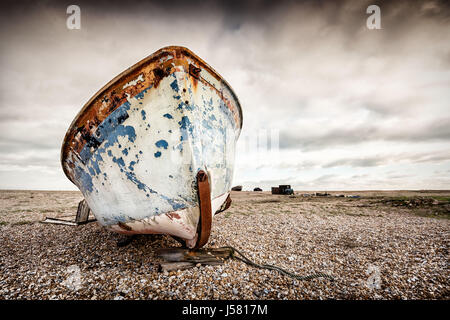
(282, 189)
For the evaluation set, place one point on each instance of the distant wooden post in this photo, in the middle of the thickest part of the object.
(81, 218)
(82, 212)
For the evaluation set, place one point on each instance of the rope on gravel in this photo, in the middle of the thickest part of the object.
(246, 260)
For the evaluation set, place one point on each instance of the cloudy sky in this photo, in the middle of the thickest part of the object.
(344, 107)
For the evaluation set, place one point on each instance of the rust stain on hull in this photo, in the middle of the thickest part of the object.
(173, 215)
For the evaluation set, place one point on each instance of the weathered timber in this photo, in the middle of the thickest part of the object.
(82, 212)
(82, 216)
(181, 258)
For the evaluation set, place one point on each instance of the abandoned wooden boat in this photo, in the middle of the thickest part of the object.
(153, 150)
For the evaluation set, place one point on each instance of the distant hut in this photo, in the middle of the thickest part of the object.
(257, 189)
(282, 189)
(236, 188)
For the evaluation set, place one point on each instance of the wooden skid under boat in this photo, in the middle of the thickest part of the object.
(137, 148)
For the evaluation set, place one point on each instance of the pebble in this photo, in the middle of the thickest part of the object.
(372, 251)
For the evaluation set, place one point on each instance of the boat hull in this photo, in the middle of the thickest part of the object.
(136, 147)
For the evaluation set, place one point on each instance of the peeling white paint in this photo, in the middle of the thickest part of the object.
(134, 82)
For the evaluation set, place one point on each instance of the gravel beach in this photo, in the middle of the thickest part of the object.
(375, 249)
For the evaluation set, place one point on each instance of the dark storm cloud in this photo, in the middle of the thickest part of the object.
(417, 131)
(354, 162)
(392, 158)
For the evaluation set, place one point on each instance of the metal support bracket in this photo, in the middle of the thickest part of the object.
(204, 197)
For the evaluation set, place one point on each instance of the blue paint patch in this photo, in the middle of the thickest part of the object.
(91, 171)
(84, 179)
(157, 154)
(186, 127)
(120, 218)
(96, 159)
(186, 106)
(143, 114)
(130, 175)
(121, 131)
(175, 205)
(141, 186)
(107, 129)
(141, 94)
(174, 85)
(125, 151)
(185, 123)
(206, 124)
(162, 144)
(119, 161)
(168, 116)
(132, 163)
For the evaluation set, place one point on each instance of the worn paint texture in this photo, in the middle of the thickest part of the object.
(135, 148)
